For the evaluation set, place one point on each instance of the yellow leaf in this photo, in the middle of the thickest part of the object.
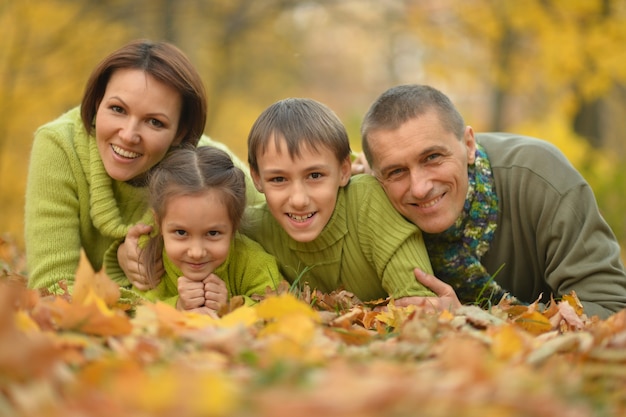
(244, 315)
(534, 322)
(88, 281)
(572, 299)
(507, 342)
(25, 323)
(284, 305)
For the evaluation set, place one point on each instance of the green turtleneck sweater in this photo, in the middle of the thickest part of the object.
(247, 270)
(72, 204)
(366, 247)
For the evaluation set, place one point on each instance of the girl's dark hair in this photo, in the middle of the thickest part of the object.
(192, 171)
(166, 63)
(299, 122)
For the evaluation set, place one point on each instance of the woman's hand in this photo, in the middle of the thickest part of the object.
(130, 261)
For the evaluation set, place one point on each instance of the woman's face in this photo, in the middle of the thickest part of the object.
(136, 123)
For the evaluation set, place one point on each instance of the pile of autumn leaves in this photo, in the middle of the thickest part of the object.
(304, 354)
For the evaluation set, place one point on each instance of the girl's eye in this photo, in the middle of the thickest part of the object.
(316, 175)
(180, 232)
(214, 233)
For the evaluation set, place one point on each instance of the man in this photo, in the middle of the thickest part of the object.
(500, 213)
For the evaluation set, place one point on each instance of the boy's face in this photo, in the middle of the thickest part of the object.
(301, 193)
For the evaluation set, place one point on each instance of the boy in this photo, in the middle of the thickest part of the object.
(323, 226)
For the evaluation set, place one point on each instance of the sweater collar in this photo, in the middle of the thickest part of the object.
(105, 211)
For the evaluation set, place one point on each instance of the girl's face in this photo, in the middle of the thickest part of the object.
(136, 123)
(197, 232)
(301, 193)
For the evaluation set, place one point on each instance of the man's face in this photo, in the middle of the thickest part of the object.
(423, 169)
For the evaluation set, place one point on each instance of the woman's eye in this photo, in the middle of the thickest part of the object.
(117, 109)
(155, 123)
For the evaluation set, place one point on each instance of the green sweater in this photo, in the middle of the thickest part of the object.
(247, 270)
(72, 204)
(551, 237)
(366, 247)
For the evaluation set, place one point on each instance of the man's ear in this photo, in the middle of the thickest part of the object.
(470, 144)
(345, 171)
(256, 179)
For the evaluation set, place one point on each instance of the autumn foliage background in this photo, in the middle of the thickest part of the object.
(552, 69)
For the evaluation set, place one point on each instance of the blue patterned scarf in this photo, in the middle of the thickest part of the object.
(455, 253)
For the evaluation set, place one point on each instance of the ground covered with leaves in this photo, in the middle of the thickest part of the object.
(302, 354)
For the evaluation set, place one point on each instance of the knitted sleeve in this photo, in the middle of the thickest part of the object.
(253, 270)
(395, 245)
(51, 217)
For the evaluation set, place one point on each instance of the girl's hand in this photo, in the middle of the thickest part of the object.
(130, 261)
(190, 294)
(215, 293)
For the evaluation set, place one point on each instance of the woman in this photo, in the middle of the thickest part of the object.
(88, 168)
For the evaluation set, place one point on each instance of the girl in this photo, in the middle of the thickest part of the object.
(198, 197)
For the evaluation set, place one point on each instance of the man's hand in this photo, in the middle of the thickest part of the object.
(360, 165)
(130, 262)
(446, 297)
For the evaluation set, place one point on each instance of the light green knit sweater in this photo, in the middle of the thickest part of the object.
(247, 270)
(366, 247)
(72, 204)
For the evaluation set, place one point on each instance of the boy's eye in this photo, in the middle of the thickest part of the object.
(277, 179)
(316, 175)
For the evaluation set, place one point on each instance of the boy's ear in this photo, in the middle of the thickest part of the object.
(345, 171)
(256, 179)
